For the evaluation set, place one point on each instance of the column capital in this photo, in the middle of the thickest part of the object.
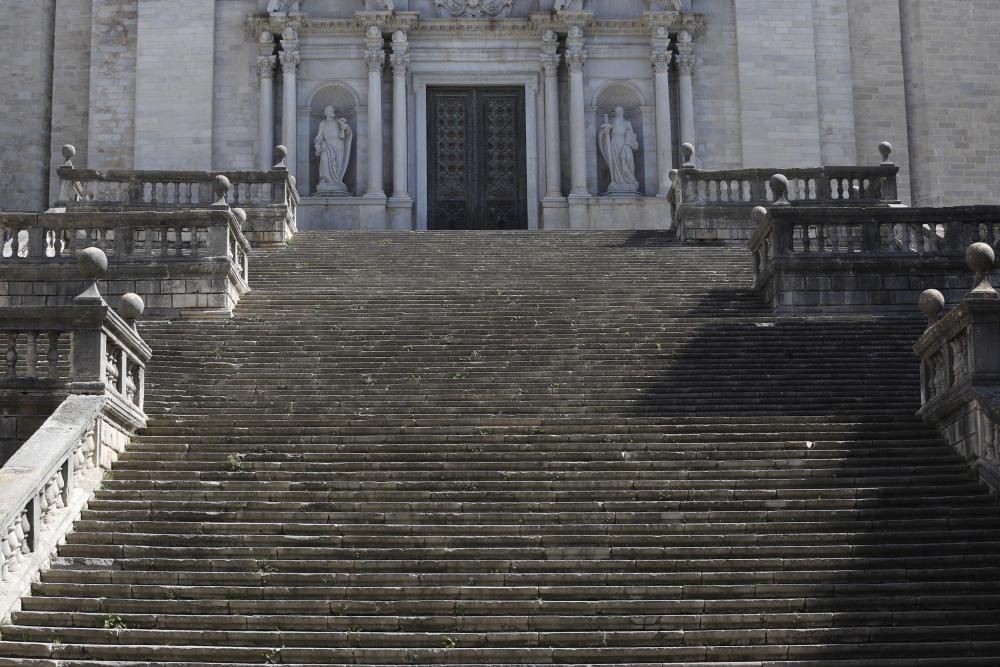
(576, 51)
(686, 62)
(550, 53)
(375, 50)
(290, 60)
(660, 59)
(400, 59)
(265, 66)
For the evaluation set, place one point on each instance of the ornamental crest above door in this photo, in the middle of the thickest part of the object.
(473, 8)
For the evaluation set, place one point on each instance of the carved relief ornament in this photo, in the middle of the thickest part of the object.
(473, 8)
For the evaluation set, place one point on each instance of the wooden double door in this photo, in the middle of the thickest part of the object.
(477, 158)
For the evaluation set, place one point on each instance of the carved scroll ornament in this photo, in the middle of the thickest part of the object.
(473, 8)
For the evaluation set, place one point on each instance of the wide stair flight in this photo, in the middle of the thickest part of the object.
(525, 448)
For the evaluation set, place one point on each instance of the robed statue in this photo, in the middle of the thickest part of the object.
(333, 148)
(618, 143)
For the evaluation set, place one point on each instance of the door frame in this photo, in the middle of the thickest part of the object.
(476, 157)
(528, 80)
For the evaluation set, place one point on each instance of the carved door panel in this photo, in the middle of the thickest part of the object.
(476, 171)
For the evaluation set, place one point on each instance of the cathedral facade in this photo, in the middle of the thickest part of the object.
(503, 114)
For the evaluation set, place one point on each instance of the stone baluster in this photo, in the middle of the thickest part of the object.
(266, 61)
(11, 356)
(576, 58)
(375, 57)
(52, 354)
(685, 66)
(660, 59)
(290, 60)
(553, 158)
(400, 65)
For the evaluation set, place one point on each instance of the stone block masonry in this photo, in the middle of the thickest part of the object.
(953, 99)
(25, 80)
(174, 78)
(111, 135)
(70, 83)
(234, 125)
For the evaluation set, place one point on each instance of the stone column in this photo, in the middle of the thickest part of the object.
(660, 59)
(685, 65)
(400, 63)
(576, 58)
(376, 61)
(553, 157)
(290, 60)
(265, 122)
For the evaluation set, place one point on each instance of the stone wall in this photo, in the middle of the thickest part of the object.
(779, 105)
(879, 90)
(174, 76)
(717, 89)
(111, 125)
(26, 82)
(70, 84)
(953, 99)
(835, 95)
(234, 121)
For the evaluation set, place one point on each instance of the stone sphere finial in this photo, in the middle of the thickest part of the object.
(68, 153)
(758, 215)
(281, 155)
(981, 259)
(687, 152)
(221, 187)
(241, 217)
(779, 187)
(931, 304)
(131, 307)
(885, 150)
(92, 264)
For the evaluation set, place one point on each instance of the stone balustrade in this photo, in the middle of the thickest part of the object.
(269, 198)
(98, 383)
(960, 368)
(190, 261)
(714, 205)
(832, 258)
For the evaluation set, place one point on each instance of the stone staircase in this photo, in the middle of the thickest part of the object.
(525, 448)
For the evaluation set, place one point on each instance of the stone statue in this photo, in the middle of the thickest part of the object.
(618, 143)
(333, 148)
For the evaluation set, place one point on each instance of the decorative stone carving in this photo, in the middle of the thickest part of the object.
(473, 8)
(333, 148)
(568, 5)
(550, 53)
(959, 358)
(400, 58)
(384, 5)
(665, 5)
(618, 143)
(280, 7)
(375, 52)
(265, 66)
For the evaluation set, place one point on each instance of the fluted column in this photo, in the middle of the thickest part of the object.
(400, 63)
(265, 122)
(685, 66)
(660, 59)
(290, 60)
(375, 56)
(576, 58)
(553, 157)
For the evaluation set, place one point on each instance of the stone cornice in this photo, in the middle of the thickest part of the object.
(413, 24)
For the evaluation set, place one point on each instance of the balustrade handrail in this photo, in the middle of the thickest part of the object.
(39, 479)
(833, 185)
(131, 235)
(107, 357)
(884, 232)
(133, 188)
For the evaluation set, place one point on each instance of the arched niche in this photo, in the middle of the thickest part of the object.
(345, 102)
(625, 95)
